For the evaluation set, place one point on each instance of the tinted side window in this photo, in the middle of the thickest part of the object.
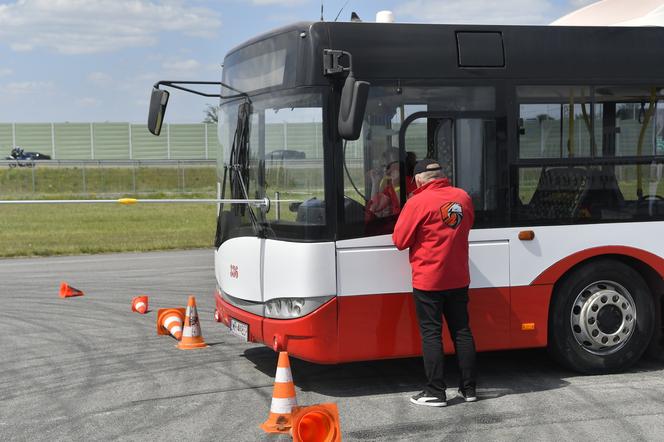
(558, 122)
(589, 155)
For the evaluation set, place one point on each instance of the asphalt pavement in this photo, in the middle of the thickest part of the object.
(88, 368)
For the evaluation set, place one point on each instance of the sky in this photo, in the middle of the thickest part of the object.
(96, 60)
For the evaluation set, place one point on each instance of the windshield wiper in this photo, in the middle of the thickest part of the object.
(239, 164)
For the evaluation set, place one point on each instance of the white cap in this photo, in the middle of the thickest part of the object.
(384, 17)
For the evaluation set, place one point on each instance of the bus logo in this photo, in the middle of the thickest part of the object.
(234, 272)
(452, 214)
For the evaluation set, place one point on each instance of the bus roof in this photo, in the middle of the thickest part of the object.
(466, 52)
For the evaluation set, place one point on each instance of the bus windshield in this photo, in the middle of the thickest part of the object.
(284, 162)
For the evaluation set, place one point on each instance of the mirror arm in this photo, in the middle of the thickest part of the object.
(332, 64)
(175, 85)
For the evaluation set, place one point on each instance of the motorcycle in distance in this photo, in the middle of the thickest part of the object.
(22, 158)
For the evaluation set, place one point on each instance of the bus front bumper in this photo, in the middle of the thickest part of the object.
(312, 337)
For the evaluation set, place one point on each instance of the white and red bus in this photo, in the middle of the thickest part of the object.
(555, 132)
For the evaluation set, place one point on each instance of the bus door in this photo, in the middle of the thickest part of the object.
(465, 145)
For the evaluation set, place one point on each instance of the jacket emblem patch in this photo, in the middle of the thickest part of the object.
(452, 214)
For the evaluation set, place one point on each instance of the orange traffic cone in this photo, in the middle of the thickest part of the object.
(67, 291)
(283, 398)
(169, 321)
(191, 335)
(316, 423)
(139, 304)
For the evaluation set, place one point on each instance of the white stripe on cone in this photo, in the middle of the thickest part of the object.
(191, 332)
(139, 305)
(175, 329)
(171, 319)
(283, 375)
(283, 405)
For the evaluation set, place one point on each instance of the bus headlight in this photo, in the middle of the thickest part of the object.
(288, 308)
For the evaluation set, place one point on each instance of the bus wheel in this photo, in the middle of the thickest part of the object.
(601, 318)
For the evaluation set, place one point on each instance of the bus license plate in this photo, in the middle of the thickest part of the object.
(240, 329)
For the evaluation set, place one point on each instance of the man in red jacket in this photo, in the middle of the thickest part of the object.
(434, 224)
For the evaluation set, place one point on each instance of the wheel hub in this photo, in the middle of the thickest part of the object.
(609, 319)
(603, 317)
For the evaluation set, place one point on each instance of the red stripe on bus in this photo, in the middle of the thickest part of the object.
(553, 273)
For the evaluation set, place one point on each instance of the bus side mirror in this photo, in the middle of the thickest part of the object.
(158, 102)
(354, 97)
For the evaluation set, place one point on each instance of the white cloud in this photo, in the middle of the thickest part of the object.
(92, 26)
(181, 69)
(21, 47)
(27, 87)
(100, 78)
(5, 72)
(477, 11)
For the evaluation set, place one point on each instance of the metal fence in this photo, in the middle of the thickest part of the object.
(117, 141)
(112, 141)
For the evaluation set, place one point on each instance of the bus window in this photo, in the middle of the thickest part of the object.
(371, 191)
(293, 162)
(635, 118)
(570, 172)
(557, 122)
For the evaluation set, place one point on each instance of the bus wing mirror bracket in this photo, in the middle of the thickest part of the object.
(332, 62)
(158, 102)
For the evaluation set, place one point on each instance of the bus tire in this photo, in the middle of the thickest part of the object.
(601, 318)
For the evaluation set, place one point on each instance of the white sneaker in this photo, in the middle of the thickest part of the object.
(425, 398)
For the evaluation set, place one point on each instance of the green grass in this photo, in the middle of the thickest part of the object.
(65, 229)
(44, 230)
(42, 181)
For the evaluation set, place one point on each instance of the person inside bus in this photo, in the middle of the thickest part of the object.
(385, 186)
(434, 225)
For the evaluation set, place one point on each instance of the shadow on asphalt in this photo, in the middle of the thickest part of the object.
(499, 373)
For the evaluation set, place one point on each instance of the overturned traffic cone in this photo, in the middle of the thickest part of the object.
(191, 334)
(316, 423)
(67, 291)
(139, 304)
(283, 399)
(169, 321)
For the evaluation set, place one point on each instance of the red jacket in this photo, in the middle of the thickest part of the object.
(434, 223)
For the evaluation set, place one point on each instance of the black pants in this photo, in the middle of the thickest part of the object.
(430, 308)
